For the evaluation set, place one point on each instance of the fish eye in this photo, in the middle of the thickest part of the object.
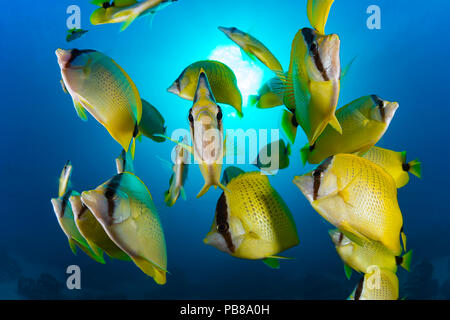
(110, 194)
(313, 47)
(219, 115)
(317, 173)
(223, 227)
(191, 118)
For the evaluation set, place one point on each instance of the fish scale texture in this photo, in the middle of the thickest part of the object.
(261, 207)
(372, 198)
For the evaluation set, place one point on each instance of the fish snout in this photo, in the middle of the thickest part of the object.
(174, 88)
(224, 30)
(306, 185)
(63, 57)
(98, 204)
(57, 207)
(390, 109)
(77, 206)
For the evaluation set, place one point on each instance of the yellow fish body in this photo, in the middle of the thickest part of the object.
(318, 11)
(93, 231)
(253, 47)
(205, 121)
(64, 215)
(313, 82)
(358, 197)
(124, 207)
(268, 96)
(126, 11)
(369, 253)
(221, 78)
(379, 284)
(180, 170)
(99, 85)
(364, 121)
(252, 221)
(395, 164)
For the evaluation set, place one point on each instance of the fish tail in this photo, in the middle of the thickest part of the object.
(133, 148)
(304, 153)
(334, 122)
(289, 125)
(168, 199)
(288, 149)
(253, 99)
(183, 193)
(203, 190)
(133, 142)
(405, 260)
(272, 263)
(415, 167)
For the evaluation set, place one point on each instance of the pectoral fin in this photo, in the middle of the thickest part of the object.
(81, 112)
(352, 234)
(348, 271)
(73, 246)
(189, 149)
(272, 263)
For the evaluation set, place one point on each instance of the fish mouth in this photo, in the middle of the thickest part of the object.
(77, 206)
(389, 111)
(225, 30)
(63, 57)
(57, 207)
(98, 205)
(306, 185)
(335, 235)
(174, 88)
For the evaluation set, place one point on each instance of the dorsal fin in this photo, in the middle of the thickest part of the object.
(203, 90)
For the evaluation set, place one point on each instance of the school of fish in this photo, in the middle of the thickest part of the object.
(354, 187)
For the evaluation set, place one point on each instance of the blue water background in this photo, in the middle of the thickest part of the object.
(405, 61)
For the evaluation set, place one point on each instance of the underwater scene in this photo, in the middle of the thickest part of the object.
(197, 149)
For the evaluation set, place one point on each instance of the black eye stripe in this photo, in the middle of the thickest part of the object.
(317, 175)
(310, 39)
(111, 189)
(222, 220)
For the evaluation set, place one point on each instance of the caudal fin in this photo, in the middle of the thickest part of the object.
(405, 260)
(253, 99)
(334, 122)
(203, 190)
(415, 167)
(304, 153)
(289, 125)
